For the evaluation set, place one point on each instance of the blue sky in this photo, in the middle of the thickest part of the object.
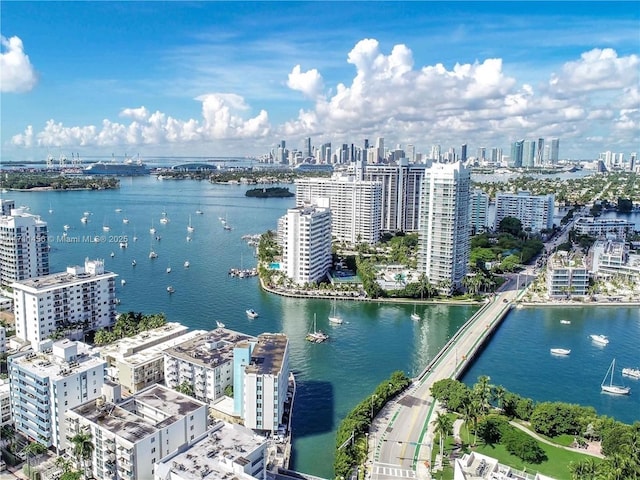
(234, 78)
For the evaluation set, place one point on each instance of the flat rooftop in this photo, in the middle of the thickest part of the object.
(48, 365)
(210, 349)
(148, 345)
(60, 279)
(214, 456)
(123, 420)
(268, 354)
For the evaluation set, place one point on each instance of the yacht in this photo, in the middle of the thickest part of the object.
(84, 219)
(560, 351)
(611, 387)
(600, 339)
(170, 289)
(631, 372)
(251, 313)
(125, 220)
(219, 324)
(124, 244)
(66, 227)
(565, 322)
(123, 282)
(153, 254)
(133, 262)
(187, 264)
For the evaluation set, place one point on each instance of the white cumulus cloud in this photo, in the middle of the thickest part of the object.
(310, 83)
(16, 72)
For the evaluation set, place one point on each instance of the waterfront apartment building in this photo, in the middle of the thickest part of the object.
(305, 233)
(131, 435)
(204, 362)
(84, 296)
(444, 233)
(44, 385)
(261, 379)
(478, 211)
(535, 212)
(567, 275)
(400, 196)
(139, 361)
(612, 259)
(226, 451)
(355, 205)
(24, 248)
(603, 227)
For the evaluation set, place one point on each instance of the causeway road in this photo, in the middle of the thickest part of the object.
(401, 436)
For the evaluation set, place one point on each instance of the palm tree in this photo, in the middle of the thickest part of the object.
(482, 391)
(470, 417)
(33, 450)
(498, 395)
(443, 427)
(83, 449)
(583, 470)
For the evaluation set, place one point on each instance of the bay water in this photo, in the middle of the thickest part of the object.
(375, 339)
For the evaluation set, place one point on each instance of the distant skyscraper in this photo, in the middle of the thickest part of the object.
(516, 153)
(540, 153)
(435, 153)
(554, 154)
(443, 233)
(482, 154)
(528, 154)
(411, 153)
(463, 153)
(380, 148)
(307, 147)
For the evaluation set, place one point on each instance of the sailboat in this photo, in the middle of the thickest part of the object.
(190, 227)
(414, 315)
(199, 211)
(152, 253)
(152, 230)
(169, 268)
(316, 336)
(610, 387)
(334, 318)
(50, 208)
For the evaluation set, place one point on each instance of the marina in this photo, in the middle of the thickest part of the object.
(326, 390)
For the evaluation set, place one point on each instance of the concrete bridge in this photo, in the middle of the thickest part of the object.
(401, 436)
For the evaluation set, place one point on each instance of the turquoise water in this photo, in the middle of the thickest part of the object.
(375, 340)
(518, 356)
(274, 266)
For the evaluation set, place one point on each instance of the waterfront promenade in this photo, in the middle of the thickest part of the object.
(401, 436)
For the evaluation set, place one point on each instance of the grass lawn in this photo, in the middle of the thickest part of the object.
(556, 465)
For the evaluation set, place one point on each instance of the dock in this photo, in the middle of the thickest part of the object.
(401, 436)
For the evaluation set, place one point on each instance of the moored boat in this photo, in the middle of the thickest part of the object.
(600, 339)
(565, 322)
(219, 324)
(170, 289)
(611, 387)
(631, 372)
(251, 313)
(560, 351)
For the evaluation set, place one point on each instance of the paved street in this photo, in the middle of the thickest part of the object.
(401, 437)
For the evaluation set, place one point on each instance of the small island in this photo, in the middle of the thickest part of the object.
(35, 181)
(271, 192)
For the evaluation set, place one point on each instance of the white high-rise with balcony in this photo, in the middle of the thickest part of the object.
(535, 212)
(355, 205)
(84, 296)
(444, 234)
(24, 248)
(45, 385)
(306, 249)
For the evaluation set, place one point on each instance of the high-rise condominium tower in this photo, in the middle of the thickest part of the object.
(443, 233)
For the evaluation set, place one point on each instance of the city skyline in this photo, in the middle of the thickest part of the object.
(218, 78)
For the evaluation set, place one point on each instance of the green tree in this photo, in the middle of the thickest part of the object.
(185, 388)
(482, 391)
(82, 449)
(443, 427)
(586, 469)
(511, 225)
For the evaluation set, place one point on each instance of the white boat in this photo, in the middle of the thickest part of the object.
(123, 282)
(600, 339)
(610, 387)
(118, 210)
(565, 322)
(227, 227)
(316, 336)
(415, 316)
(124, 244)
(112, 254)
(187, 264)
(170, 289)
(219, 324)
(106, 228)
(66, 227)
(188, 238)
(199, 212)
(84, 219)
(153, 254)
(251, 313)
(152, 231)
(125, 220)
(135, 239)
(168, 269)
(560, 351)
(133, 263)
(164, 220)
(631, 372)
(87, 213)
(190, 227)
(50, 208)
(334, 318)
